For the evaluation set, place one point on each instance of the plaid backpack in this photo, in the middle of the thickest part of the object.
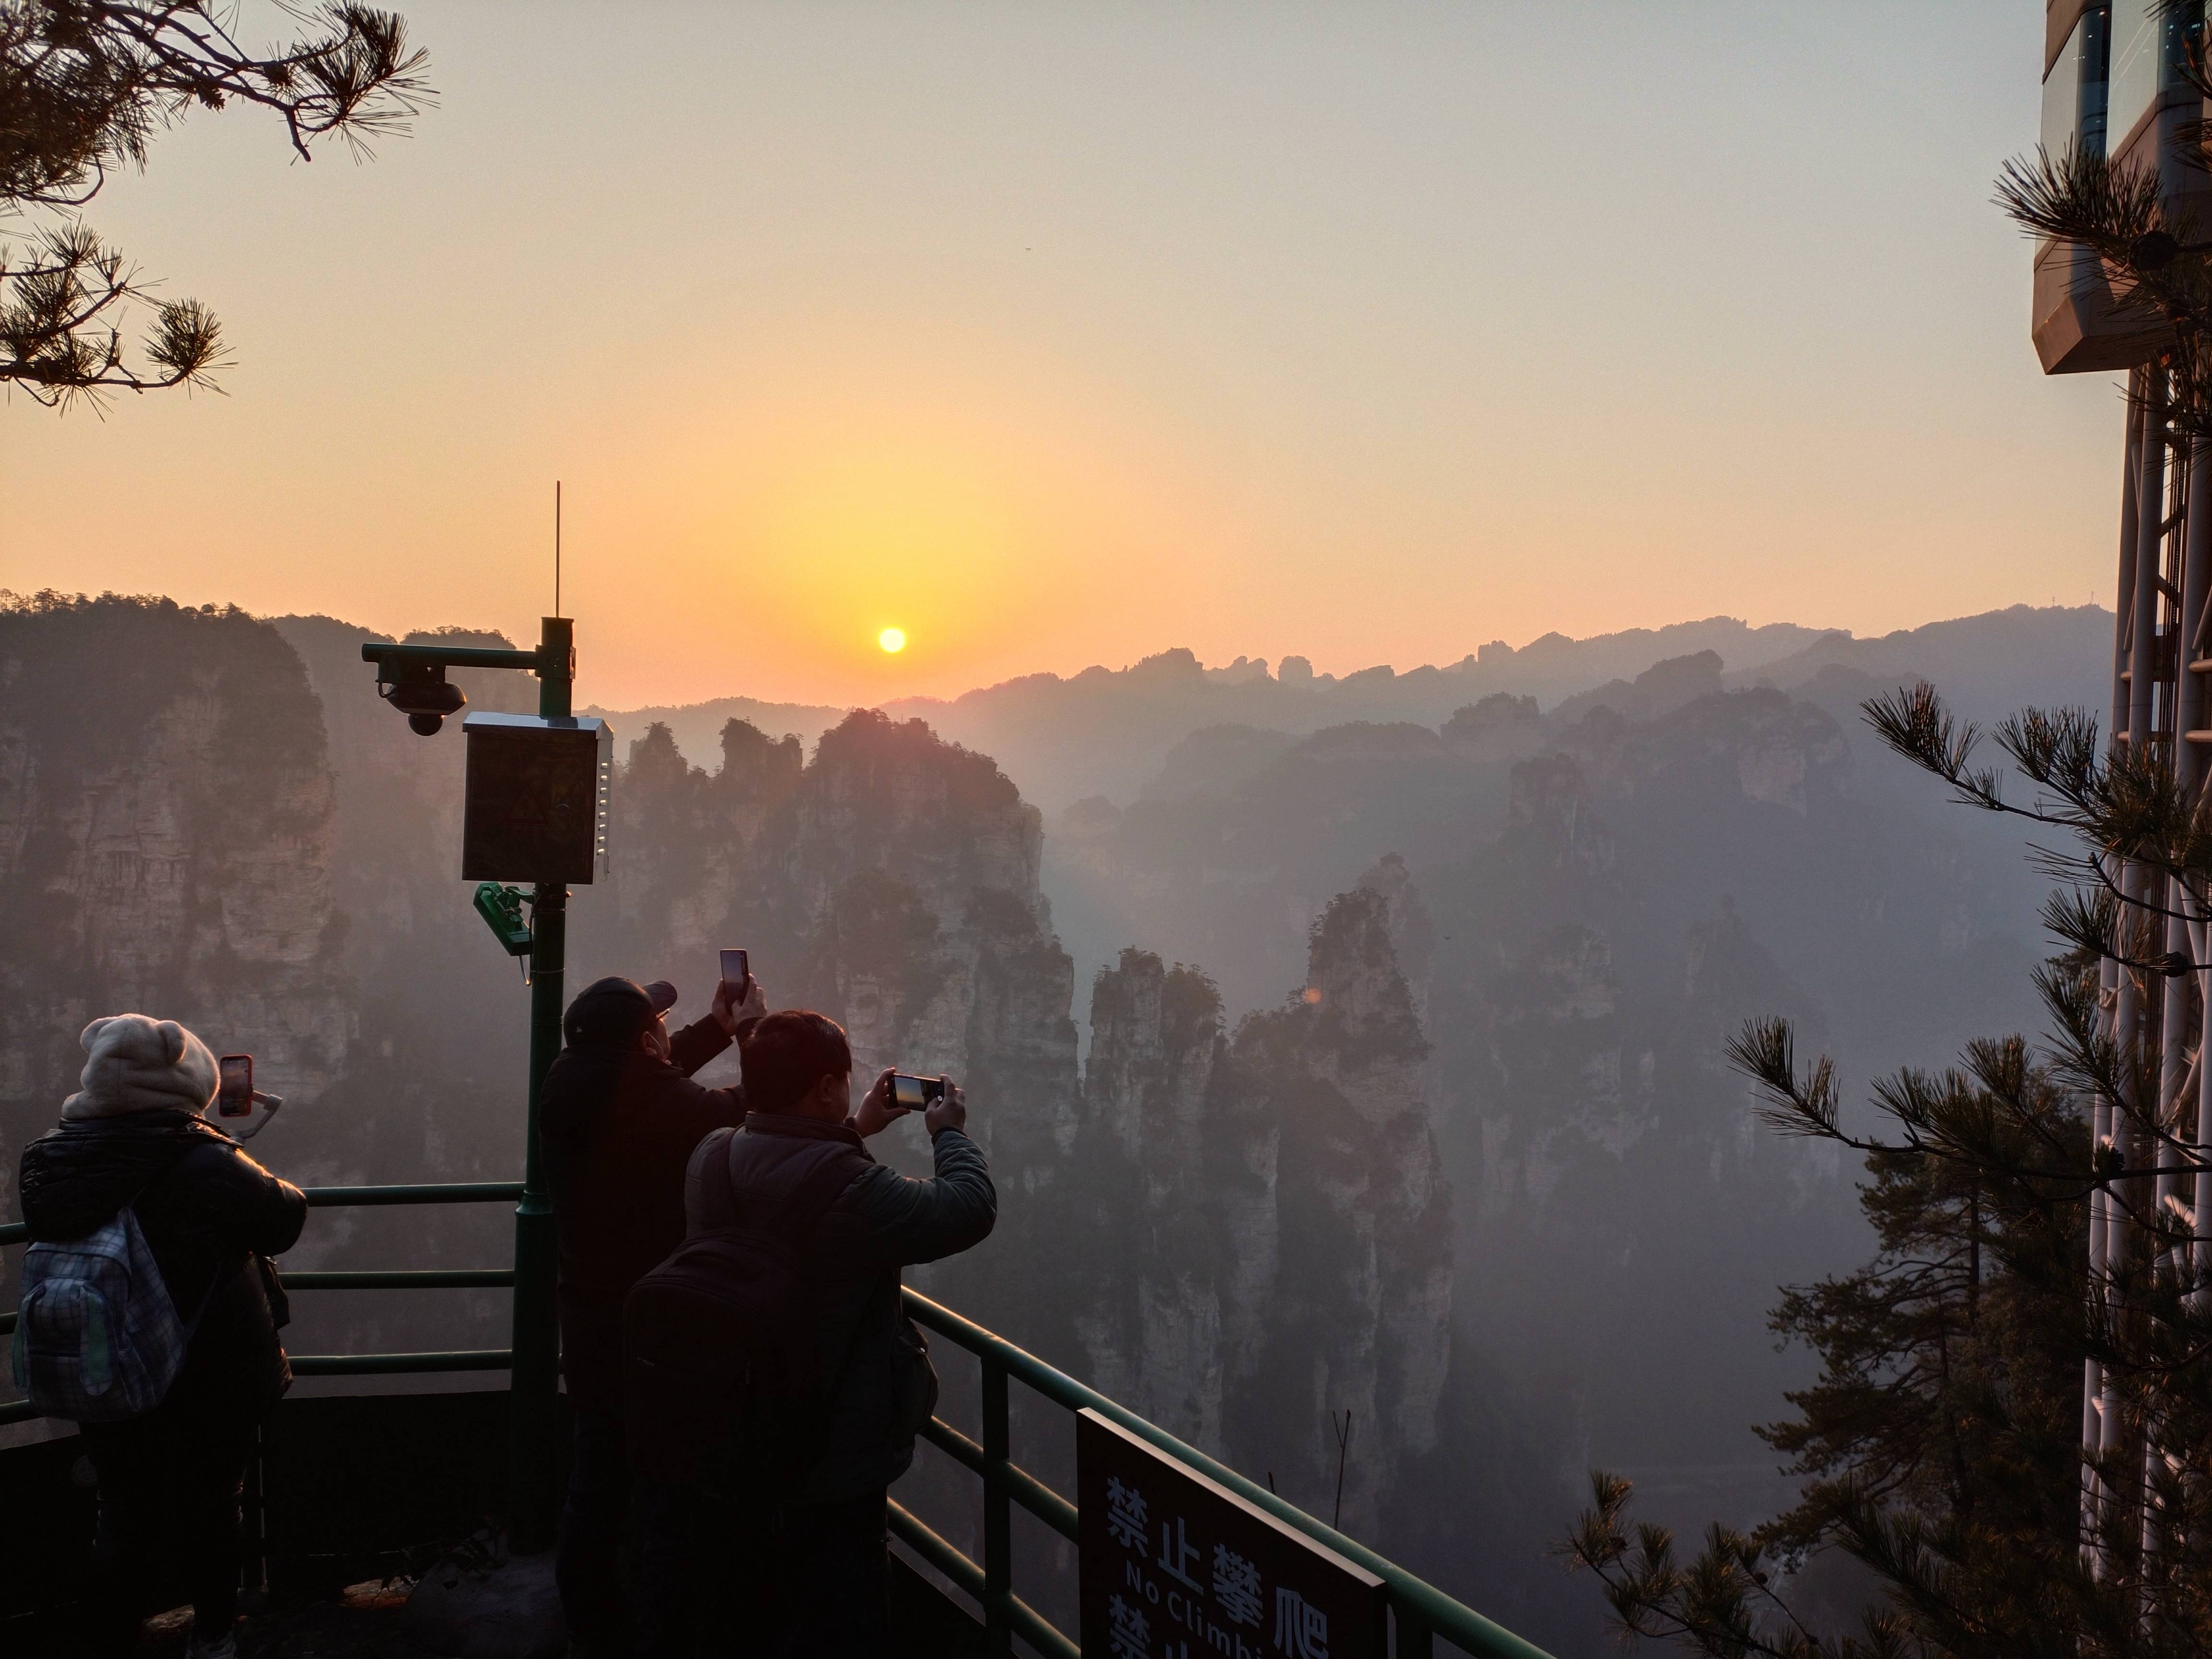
(97, 1337)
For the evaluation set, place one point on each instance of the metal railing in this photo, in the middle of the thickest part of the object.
(404, 1279)
(1419, 1612)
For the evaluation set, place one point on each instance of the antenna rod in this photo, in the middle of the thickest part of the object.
(556, 547)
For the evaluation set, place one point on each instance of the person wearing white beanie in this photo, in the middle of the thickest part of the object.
(132, 1135)
(135, 1063)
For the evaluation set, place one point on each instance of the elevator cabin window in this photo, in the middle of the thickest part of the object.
(2151, 41)
(2074, 91)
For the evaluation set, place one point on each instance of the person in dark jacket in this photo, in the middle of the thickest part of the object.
(170, 1481)
(798, 1083)
(620, 1116)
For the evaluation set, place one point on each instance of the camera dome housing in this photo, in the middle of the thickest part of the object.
(422, 694)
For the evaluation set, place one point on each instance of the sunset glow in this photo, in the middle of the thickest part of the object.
(891, 639)
(1271, 373)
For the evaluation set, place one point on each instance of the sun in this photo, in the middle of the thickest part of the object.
(892, 638)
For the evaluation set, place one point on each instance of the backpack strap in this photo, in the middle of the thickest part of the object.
(193, 1143)
(718, 1201)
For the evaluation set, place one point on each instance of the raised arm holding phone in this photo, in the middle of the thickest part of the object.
(620, 1116)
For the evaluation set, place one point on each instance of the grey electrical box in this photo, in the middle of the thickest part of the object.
(536, 800)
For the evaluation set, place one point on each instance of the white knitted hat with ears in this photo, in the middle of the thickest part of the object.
(140, 1064)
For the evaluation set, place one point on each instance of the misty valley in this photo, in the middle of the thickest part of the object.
(1349, 1052)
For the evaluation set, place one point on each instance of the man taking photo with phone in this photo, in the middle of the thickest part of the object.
(799, 1167)
(620, 1116)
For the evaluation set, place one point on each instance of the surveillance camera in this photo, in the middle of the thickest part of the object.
(422, 694)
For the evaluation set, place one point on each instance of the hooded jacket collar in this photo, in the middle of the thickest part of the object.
(803, 1129)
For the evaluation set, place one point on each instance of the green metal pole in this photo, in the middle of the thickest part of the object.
(533, 1410)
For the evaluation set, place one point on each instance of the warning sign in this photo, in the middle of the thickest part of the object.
(1176, 1567)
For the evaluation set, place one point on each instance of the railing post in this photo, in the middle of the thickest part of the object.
(533, 1402)
(998, 1512)
(1414, 1637)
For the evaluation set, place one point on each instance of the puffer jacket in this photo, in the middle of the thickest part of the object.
(883, 1387)
(207, 1210)
(619, 1128)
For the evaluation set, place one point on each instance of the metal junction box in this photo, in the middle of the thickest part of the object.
(536, 798)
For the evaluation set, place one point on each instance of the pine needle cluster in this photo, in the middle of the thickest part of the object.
(85, 85)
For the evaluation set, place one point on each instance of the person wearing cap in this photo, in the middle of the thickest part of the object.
(169, 1479)
(620, 1116)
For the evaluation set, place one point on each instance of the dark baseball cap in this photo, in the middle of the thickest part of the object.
(615, 1010)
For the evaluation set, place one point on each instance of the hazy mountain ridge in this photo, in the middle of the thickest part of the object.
(1104, 732)
(696, 728)
(1107, 732)
(1989, 666)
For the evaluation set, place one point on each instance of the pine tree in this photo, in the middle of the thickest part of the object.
(1943, 1440)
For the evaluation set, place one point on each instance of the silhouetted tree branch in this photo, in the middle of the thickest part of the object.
(84, 86)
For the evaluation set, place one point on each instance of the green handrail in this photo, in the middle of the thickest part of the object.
(390, 1365)
(1025, 1488)
(321, 1198)
(1419, 1608)
(446, 1192)
(1021, 1619)
(406, 1279)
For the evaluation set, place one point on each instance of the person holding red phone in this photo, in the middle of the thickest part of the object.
(133, 1136)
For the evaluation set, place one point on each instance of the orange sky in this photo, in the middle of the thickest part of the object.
(1060, 334)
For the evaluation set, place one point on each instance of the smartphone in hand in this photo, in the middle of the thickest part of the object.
(234, 1094)
(916, 1094)
(736, 967)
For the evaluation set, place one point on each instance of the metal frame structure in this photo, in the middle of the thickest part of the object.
(2158, 1019)
(2116, 82)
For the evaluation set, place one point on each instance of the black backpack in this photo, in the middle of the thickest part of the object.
(720, 1380)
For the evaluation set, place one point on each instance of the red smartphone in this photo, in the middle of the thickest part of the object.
(234, 1094)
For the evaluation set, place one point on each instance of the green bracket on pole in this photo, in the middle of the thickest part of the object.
(501, 909)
